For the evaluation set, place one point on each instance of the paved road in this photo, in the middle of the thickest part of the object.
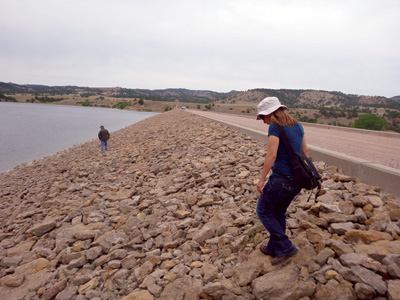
(372, 146)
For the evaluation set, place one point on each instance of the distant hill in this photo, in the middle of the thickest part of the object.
(314, 98)
(291, 98)
(181, 95)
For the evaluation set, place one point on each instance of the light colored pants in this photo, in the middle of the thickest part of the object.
(103, 145)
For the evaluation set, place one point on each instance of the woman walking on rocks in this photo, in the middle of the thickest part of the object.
(277, 194)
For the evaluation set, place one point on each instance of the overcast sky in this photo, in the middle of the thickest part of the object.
(352, 46)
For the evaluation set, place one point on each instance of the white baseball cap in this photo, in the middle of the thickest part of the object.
(268, 106)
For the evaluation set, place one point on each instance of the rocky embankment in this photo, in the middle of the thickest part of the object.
(169, 213)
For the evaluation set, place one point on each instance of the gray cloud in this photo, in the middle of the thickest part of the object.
(221, 45)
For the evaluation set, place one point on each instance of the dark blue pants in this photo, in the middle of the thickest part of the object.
(271, 210)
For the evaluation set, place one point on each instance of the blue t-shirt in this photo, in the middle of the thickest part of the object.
(295, 135)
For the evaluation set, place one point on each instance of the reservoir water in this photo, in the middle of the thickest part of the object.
(32, 131)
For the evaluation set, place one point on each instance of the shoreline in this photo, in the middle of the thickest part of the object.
(58, 128)
(169, 212)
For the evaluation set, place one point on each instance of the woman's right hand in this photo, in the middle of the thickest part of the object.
(260, 186)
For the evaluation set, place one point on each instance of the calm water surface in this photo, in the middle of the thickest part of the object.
(32, 131)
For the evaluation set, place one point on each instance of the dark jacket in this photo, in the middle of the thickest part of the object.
(104, 135)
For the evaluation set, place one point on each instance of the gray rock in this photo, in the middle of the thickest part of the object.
(110, 239)
(81, 279)
(333, 290)
(68, 293)
(362, 275)
(129, 262)
(341, 248)
(94, 253)
(323, 256)
(185, 287)
(77, 263)
(277, 284)
(10, 261)
(210, 272)
(54, 290)
(42, 228)
(360, 215)
(205, 233)
(362, 259)
(247, 271)
(364, 291)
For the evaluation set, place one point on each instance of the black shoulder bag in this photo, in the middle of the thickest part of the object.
(304, 173)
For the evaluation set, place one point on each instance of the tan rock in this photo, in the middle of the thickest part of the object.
(330, 274)
(21, 248)
(171, 276)
(381, 217)
(13, 280)
(196, 264)
(191, 199)
(380, 247)
(367, 236)
(394, 289)
(140, 295)
(244, 174)
(181, 214)
(394, 214)
(90, 285)
(32, 267)
(316, 235)
(205, 202)
(119, 195)
(167, 265)
(368, 208)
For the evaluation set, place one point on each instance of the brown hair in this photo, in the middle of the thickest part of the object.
(281, 117)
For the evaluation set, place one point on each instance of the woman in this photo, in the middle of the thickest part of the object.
(280, 189)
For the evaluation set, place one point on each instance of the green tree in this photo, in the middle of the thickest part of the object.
(371, 122)
(86, 103)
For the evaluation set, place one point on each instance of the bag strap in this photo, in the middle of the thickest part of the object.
(283, 137)
(285, 140)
